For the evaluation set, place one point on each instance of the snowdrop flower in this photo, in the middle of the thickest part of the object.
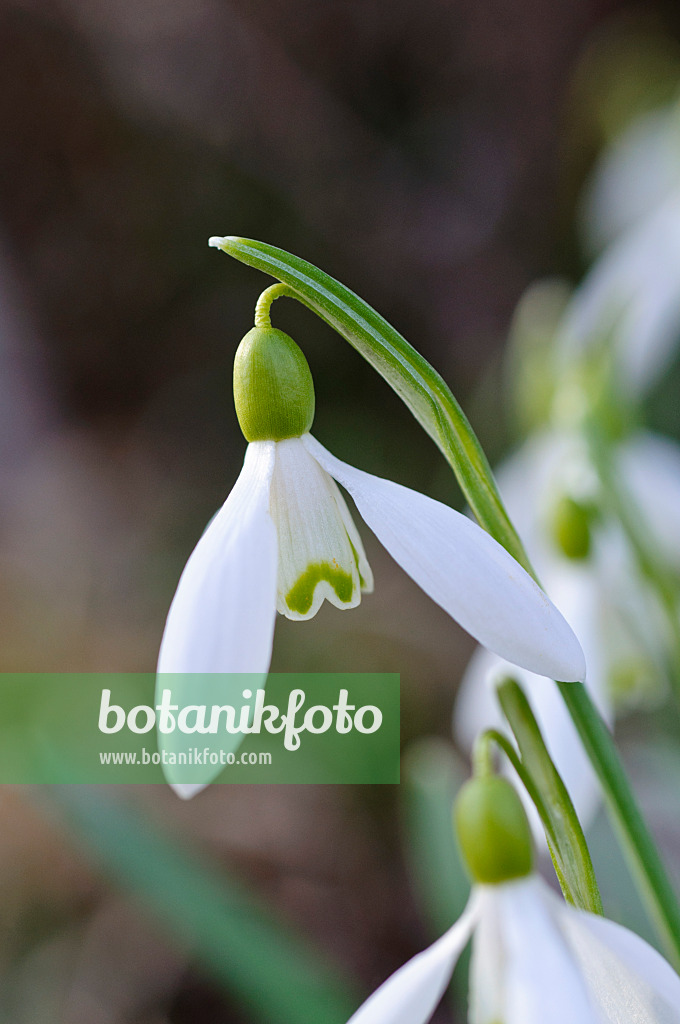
(634, 175)
(285, 540)
(630, 299)
(534, 958)
(590, 573)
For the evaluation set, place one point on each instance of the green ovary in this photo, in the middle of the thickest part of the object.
(300, 596)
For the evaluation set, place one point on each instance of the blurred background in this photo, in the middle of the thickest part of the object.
(431, 156)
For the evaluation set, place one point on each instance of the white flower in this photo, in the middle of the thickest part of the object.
(285, 539)
(635, 173)
(610, 607)
(632, 296)
(535, 960)
(631, 216)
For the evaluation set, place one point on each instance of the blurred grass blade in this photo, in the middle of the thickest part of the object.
(274, 975)
(431, 777)
(415, 381)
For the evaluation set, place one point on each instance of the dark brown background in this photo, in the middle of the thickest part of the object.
(426, 153)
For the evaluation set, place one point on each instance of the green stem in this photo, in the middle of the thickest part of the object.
(494, 736)
(651, 567)
(482, 756)
(643, 856)
(264, 303)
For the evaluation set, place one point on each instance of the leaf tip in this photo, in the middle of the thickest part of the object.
(219, 241)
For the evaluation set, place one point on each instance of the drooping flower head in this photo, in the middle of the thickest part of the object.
(534, 958)
(285, 541)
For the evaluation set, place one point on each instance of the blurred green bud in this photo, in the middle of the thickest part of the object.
(530, 358)
(493, 830)
(273, 386)
(635, 681)
(571, 528)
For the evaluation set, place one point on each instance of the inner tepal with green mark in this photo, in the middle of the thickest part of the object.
(320, 554)
(300, 597)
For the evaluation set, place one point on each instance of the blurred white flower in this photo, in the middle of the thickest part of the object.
(285, 539)
(534, 960)
(635, 174)
(611, 609)
(631, 296)
(630, 299)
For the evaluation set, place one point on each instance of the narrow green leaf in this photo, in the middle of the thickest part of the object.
(644, 860)
(271, 971)
(566, 840)
(422, 389)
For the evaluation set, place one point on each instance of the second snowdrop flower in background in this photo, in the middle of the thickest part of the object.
(284, 540)
(535, 960)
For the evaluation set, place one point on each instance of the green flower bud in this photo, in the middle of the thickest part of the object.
(493, 830)
(273, 386)
(571, 528)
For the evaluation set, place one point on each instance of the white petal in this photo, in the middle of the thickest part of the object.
(628, 980)
(185, 790)
(464, 570)
(488, 963)
(576, 595)
(222, 616)
(543, 981)
(320, 552)
(650, 470)
(637, 172)
(632, 293)
(411, 994)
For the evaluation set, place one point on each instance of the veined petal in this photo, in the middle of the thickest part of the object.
(221, 619)
(627, 978)
(464, 570)
(320, 552)
(543, 980)
(222, 615)
(576, 593)
(411, 994)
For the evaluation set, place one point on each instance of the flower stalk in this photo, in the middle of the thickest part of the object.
(632, 523)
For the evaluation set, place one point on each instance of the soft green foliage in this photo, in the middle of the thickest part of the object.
(273, 973)
(493, 830)
(273, 386)
(431, 775)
